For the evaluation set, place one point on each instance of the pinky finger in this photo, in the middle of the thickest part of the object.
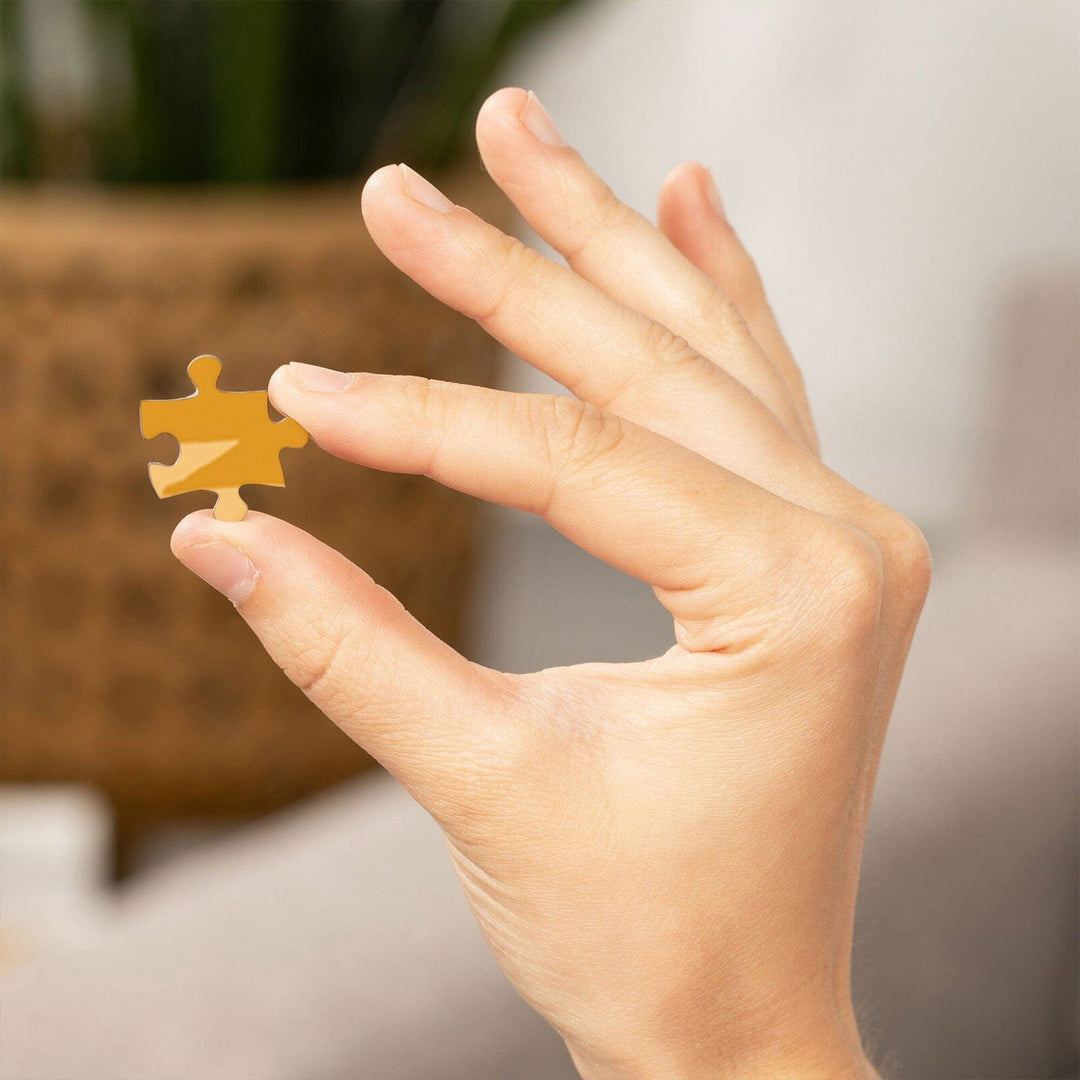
(691, 216)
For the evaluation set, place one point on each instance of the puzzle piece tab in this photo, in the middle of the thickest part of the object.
(226, 439)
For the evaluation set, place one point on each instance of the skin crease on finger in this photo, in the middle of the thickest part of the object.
(663, 856)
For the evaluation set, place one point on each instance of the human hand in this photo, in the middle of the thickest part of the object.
(663, 856)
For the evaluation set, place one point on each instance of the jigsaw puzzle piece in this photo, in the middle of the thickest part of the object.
(230, 506)
(226, 438)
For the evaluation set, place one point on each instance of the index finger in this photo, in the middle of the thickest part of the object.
(715, 545)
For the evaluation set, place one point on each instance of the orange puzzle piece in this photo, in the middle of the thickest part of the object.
(226, 439)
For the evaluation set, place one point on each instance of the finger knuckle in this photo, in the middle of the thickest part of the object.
(518, 263)
(908, 559)
(742, 283)
(607, 208)
(847, 575)
(411, 398)
(519, 259)
(667, 351)
(600, 213)
(576, 434)
(426, 407)
(724, 315)
(315, 664)
(337, 661)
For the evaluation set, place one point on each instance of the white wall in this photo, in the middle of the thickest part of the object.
(894, 168)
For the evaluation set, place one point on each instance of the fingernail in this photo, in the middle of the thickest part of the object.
(416, 187)
(224, 567)
(313, 377)
(713, 195)
(535, 117)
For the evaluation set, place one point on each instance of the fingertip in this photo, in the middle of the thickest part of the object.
(499, 132)
(512, 128)
(381, 184)
(685, 174)
(397, 205)
(201, 527)
(190, 531)
(380, 177)
(279, 388)
(690, 186)
(507, 102)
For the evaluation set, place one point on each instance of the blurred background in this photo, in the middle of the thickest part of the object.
(199, 876)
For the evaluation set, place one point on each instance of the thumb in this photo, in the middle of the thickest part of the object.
(436, 721)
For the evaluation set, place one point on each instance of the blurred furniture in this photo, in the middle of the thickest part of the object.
(120, 668)
(330, 941)
(55, 856)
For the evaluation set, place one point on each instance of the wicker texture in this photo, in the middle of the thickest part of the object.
(120, 668)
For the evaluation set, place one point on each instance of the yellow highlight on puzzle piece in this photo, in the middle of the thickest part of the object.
(226, 439)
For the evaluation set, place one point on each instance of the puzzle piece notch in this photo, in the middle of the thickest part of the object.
(226, 439)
